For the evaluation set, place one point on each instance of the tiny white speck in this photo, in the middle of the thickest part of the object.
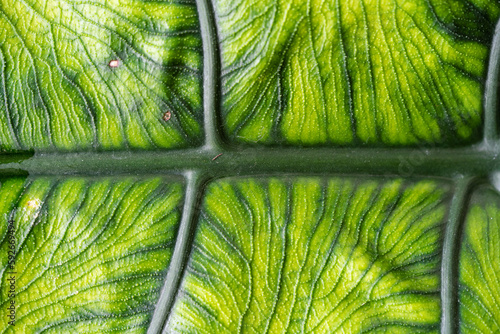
(114, 63)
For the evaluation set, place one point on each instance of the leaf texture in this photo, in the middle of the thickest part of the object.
(479, 278)
(90, 254)
(285, 246)
(381, 72)
(84, 75)
(315, 255)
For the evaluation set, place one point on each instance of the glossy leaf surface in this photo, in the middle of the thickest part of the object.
(99, 74)
(354, 72)
(323, 178)
(479, 293)
(315, 256)
(90, 255)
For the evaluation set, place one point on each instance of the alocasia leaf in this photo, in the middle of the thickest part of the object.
(90, 254)
(60, 90)
(249, 226)
(315, 256)
(354, 72)
(479, 290)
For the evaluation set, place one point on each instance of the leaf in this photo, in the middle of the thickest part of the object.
(479, 291)
(90, 255)
(60, 92)
(325, 168)
(354, 72)
(315, 255)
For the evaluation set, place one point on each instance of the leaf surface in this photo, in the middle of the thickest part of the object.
(312, 255)
(479, 290)
(90, 254)
(381, 72)
(214, 166)
(83, 75)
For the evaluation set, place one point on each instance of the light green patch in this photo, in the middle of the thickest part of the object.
(313, 255)
(90, 254)
(58, 92)
(371, 72)
(479, 284)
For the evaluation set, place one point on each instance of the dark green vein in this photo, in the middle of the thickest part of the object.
(181, 253)
(345, 69)
(211, 72)
(491, 90)
(449, 265)
(249, 161)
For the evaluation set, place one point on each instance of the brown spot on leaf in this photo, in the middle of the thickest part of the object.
(167, 115)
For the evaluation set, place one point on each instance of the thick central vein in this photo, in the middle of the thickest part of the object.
(247, 161)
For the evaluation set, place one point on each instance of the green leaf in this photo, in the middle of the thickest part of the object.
(315, 255)
(354, 72)
(325, 153)
(59, 91)
(90, 254)
(479, 291)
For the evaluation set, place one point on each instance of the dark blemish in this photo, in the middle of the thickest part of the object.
(114, 63)
(218, 155)
(166, 116)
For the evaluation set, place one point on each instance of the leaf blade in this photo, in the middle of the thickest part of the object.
(385, 73)
(479, 273)
(314, 255)
(91, 255)
(60, 92)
